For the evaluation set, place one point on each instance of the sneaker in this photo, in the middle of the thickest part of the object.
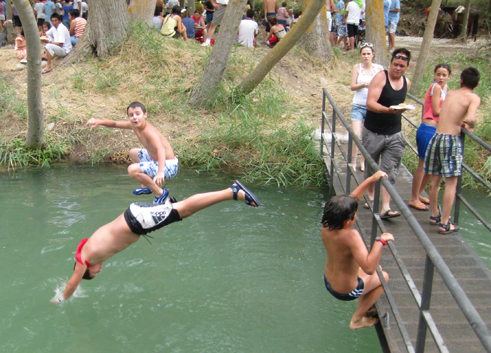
(160, 199)
(142, 191)
(23, 61)
(206, 43)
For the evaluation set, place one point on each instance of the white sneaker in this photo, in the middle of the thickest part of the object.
(206, 43)
(23, 61)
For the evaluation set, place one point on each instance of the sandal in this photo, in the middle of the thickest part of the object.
(367, 206)
(387, 214)
(448, 228)
(436, 219)
(250, 198)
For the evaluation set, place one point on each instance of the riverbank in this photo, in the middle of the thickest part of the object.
(264, 135)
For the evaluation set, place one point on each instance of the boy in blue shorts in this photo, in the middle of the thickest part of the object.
(152, 164)
(350, 269)
(444, 154)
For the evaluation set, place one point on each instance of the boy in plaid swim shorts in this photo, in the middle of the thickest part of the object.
(152, 164)
(444, 154)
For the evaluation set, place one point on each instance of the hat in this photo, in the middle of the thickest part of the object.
(183, 10)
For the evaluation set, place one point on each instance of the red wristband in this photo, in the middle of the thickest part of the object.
(383, 241)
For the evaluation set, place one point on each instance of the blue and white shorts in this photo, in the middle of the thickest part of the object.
(151, 167)
(358, 113)
(392, 28)
(444, 156)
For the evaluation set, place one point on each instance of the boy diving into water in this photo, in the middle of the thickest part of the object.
(140, 219)
(350, 269)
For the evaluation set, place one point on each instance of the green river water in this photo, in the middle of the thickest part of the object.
(229, 279)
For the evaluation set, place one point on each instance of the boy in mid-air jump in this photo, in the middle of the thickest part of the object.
(350, 270)
(140, 219)
(444, 154)
(152, 164)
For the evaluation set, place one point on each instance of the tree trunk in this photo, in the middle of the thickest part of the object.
(10, 26)
(191, 7)
(107, 27)
(375, 30)
(218, 62)
(142, 10)
(425, 47)
(280, 50)
(315, 41)
(463, 34)
(35, 131)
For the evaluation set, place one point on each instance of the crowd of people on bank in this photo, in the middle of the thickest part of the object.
(61, 24)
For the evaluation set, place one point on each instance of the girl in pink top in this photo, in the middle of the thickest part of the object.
(433, 102)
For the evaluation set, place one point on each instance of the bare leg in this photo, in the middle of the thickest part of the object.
(371, 292)
(199, 202)
(448, 198)
(392, 40)
(357, 127)
(210, 33)
(352, 43)
(135, 159)
(136, 173)
(418, 186)
(385, 201)
(433, 193)
(48, 64)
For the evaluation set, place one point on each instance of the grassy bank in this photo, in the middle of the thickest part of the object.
(264, 136)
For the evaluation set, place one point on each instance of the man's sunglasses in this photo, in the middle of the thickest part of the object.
(367, 44)
(402, 57)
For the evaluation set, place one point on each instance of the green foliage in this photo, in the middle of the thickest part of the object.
(14, 154)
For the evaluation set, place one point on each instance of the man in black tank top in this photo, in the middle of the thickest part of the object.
(382, 136)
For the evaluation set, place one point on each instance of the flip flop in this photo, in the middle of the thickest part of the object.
(250, 198)
(424, 200)
(367, 206)
(386, 215)
(46, 71)
(419, 206)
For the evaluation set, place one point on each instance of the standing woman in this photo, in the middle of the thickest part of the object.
(282, 15)
(362, 74)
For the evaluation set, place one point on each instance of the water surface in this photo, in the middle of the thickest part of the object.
(229, 279)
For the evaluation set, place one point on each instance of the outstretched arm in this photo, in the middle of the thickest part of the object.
(362, 188)
(72, 284)
(93, 122)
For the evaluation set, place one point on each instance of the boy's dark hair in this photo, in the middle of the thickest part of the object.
(250, 13)
(55, 15)
(74, 12)
(470, 77)
(337, 210)
(445, 66)
(402, 51)
(86, 274)
(136, 105)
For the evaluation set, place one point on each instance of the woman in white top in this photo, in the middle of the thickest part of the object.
(362, 74)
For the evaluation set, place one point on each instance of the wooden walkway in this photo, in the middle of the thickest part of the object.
(471, 273)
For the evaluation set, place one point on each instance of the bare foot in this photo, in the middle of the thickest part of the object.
(364, 322)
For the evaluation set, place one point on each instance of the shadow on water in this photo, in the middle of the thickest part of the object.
(229, 279)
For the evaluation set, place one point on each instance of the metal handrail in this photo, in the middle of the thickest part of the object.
(434, 259)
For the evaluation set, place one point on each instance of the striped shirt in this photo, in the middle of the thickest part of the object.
(79, 26)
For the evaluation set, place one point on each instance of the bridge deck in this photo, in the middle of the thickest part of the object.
(472, 274)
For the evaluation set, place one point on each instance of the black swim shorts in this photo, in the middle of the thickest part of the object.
(143, 218)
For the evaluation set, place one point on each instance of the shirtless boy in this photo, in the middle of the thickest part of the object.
(270, 10)
(140, 219)
(152, 164)
(350, 270)
(444, 154)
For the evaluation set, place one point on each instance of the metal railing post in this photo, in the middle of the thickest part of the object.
(348, 169)
(425, 305)
(376, 203)
(333, 145)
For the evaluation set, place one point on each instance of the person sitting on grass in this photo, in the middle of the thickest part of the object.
(276, 32)
(140, 219)
(77, 25)
(172, 25)
(350, 269)
(152, 164)
(61, 44)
